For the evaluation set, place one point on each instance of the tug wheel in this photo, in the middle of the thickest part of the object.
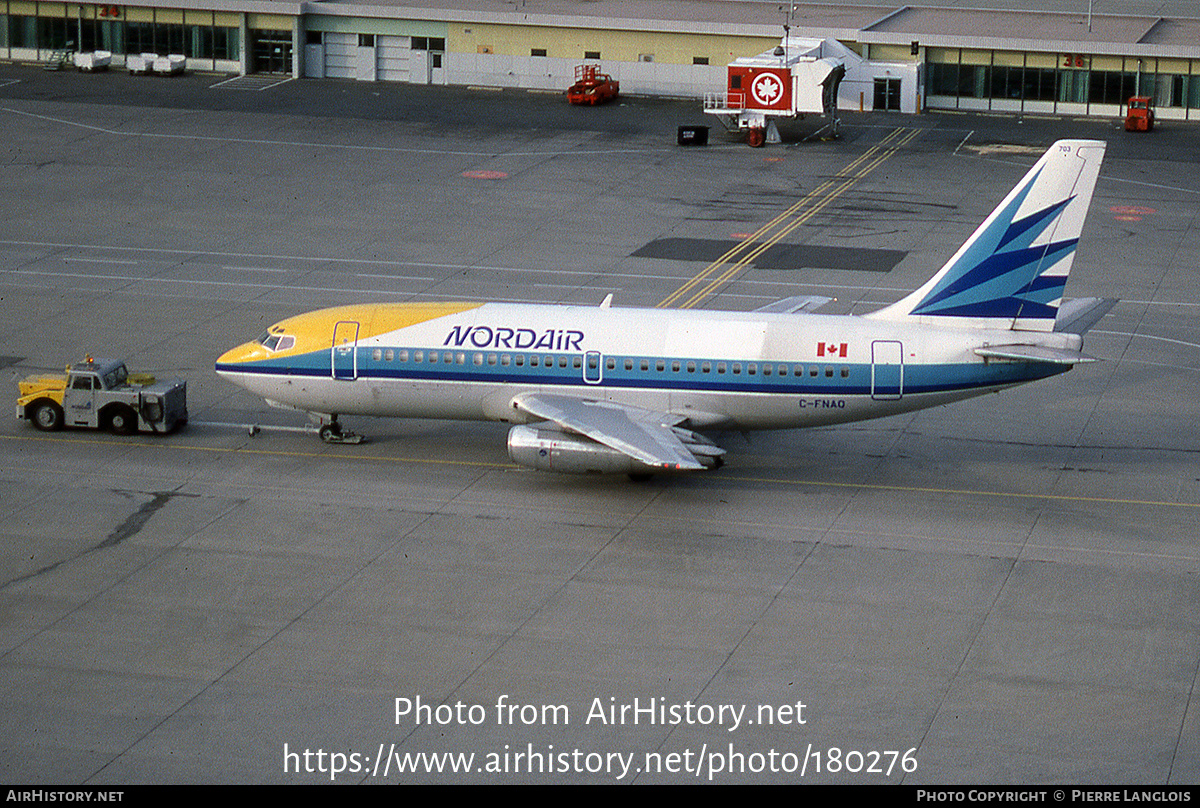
(123, 421)
(47, 416)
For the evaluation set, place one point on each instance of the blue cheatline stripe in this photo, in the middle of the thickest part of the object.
(917, 378)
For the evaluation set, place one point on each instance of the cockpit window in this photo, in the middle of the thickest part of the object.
(276, 342)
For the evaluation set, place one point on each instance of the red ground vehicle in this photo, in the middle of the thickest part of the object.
(1140, 117)
(591, 86)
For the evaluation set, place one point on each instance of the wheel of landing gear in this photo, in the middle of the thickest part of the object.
(756, 137)
(330, 432)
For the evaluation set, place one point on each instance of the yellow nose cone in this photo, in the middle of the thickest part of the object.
(248, 352)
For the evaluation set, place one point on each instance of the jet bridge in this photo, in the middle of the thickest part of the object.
(798, 77)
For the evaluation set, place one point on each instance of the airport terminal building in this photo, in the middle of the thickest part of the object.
(1061, 61)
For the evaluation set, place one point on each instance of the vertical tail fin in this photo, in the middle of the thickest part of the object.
(1011, 272)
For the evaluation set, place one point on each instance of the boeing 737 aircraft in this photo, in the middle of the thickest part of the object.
(630, 390)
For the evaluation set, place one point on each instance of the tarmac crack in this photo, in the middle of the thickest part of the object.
(132, 525)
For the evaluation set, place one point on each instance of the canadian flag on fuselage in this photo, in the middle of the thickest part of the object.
(832, 349)
(1012, 271)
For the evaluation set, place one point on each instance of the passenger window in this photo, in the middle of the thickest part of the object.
(418, 356)
(404, 356)
(389, 355)
(377, 354)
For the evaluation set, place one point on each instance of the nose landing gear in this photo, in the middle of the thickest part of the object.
(330, 430)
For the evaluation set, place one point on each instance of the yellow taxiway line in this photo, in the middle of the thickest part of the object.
(770, 233)
(724, 475)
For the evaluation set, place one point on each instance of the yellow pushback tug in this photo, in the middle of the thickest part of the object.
(102, 394)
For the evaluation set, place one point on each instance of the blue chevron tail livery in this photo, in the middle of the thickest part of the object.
(1012, 270)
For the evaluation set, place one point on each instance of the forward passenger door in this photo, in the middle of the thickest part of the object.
(344, 352)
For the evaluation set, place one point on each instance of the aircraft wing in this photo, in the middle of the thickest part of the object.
(644, 435)
(794, 305)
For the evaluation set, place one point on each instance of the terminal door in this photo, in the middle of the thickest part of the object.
(887, 95)
(271, 51)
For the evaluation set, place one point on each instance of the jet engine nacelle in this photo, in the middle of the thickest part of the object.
(554, 450)
(549, 449)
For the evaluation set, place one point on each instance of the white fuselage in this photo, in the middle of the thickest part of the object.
(748, 370)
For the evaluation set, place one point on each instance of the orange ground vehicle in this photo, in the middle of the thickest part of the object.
(1140, 117)
(591, 86)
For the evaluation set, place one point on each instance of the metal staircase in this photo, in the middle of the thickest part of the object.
(61, 57)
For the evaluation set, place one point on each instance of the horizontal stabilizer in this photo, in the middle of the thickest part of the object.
(1035, 353)
(1077, 316)
(795, 305)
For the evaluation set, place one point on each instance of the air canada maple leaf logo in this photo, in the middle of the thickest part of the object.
(767, 89)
